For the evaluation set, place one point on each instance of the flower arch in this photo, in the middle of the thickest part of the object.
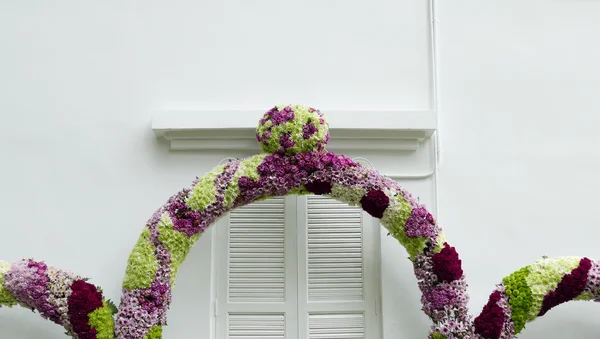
(294, 161)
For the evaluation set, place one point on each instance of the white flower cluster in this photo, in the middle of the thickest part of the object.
(59, 288)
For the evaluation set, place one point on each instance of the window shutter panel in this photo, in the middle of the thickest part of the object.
(337, 265)
(257, 272)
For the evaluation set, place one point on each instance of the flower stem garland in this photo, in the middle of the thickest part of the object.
(294, 162)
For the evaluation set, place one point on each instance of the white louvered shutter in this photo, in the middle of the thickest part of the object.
(256, 284)
(338, 284)
(297, 268)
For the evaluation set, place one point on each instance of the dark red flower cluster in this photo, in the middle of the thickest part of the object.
(447, 265)
(84, 299)
(489, 323)
(375, 203)
(569, 287)
(318, 187)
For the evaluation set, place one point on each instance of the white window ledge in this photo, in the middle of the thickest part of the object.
(350, 130)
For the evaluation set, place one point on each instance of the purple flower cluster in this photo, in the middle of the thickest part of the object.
(279, 174)
(138, 313)
(593, 281)
(444, 302)
(142, 309)
(437, 300)
(309, 130)
(420, 224)
(27, 281)
(278, 117)
(285, 140)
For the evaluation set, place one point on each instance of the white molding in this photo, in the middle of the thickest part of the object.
(361, 130)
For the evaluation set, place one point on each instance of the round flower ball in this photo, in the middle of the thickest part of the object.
(292, 129)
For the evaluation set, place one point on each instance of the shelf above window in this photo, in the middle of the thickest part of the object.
(188, 130)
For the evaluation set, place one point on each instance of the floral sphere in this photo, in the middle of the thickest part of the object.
(292, 129)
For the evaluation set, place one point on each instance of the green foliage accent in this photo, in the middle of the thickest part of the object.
(437, 335)
(519, 297)
(247, 168)
(154, 333)
(113, 308)
(102, 320)
(177, 243)
(142, 264)
(204, 193)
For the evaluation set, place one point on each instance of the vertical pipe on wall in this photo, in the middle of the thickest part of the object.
(434, 97)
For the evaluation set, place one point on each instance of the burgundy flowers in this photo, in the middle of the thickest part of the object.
(447, 265)
(570, 287)
(375, 203)
(319, 187)
(84, 299)
(489, 323)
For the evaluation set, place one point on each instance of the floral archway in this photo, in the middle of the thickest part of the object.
(294, 161)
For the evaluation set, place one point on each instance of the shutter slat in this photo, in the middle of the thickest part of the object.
(257, 255)
(336, 326)
(256, 326)
(334, 251)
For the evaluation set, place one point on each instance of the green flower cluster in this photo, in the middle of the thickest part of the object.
(204, 193)
(519, 297)
(141, 265)
(6, 299)
(247, 168)
(154, 333)
(394, 219)
(177, 243)
(102, 320)
(349, 195)
(270, 133)
(441, 239)
(544, 276)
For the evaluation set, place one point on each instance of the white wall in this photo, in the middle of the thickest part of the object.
(81, 171)
(519, 137)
